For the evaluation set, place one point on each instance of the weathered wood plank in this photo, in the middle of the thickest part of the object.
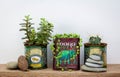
(112, 71)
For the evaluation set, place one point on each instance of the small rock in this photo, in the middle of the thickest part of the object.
(86, 68)
(95, 57)
(93, 65)
(94, 61)
(12, 65)
(23, 63)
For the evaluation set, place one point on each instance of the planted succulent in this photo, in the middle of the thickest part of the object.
(66, 50)
(66, 36)
(44, 32)
(95, 40)
(32, 36)
(57, 36)
(36, 41)
(95, 55)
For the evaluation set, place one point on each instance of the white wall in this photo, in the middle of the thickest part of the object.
(84, 17)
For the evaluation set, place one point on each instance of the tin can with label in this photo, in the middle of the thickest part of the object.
(36, 56)
(67, 54)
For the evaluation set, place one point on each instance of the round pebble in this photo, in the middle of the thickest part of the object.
(23, 63)
(12, 65)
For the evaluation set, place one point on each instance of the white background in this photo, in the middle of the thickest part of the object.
(85, 17)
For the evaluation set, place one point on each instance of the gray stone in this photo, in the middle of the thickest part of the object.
(94, 61)
(12, 65)
(86, 68)
(95, 57)
(93, 65)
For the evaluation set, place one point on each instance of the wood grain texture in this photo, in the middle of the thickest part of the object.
(113, 70)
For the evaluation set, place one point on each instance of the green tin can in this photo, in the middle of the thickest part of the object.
(95, 55)
(36, 56)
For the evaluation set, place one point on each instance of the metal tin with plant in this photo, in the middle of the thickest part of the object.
(95, 55)
(36, 41)
(66, 51)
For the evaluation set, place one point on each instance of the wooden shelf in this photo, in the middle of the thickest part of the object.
(113, 70)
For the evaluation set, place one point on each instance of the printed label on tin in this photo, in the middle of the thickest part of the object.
(67, 52)
(35, 59)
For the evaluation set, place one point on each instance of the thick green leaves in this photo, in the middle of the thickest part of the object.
(45, 31)
(29, 34)
(42, 37)
(95, 40)
(66, 36)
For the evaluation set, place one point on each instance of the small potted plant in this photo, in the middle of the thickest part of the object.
(36, 42)
(95, 55)
(66, 51)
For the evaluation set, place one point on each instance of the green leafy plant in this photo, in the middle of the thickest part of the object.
(66, 36)
(45, 31)
(56, 47)
(57, 36)
(95, 40)
(39, 37)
